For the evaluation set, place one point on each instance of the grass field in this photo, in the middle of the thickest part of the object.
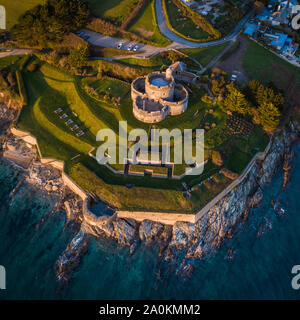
(114, 88)
(184, 25)
(115, 11)
(263, 65)
(146, 26)
(205, 55)
(15, 8)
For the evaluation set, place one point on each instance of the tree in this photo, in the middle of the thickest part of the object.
(172, 56)
(268, 115)
(78, 57)
(266, 104)
(265, 94)
(47, 24)
(235, 100)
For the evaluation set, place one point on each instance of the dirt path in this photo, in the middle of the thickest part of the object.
(234, 63)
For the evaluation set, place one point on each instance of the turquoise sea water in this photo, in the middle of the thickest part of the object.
(32, 237)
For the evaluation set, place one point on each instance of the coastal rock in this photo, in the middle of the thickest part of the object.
(182, 234)
(186, 269)
(256, 199)
(133, 247)
(150, 230)
(220, 220)
(124, 232)
(70, 258)
(288, 159)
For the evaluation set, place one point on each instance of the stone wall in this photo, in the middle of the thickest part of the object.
(149, 117)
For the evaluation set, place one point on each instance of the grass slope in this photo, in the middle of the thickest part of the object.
(114, 10)
(204, 55)
(146, 25)
(184, 25)
(263, 65)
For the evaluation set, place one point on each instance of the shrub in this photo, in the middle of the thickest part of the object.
(32, 67)
(217, 159)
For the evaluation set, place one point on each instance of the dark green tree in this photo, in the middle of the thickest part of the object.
(45, 25)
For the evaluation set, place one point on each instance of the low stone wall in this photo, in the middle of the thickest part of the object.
(165, 218)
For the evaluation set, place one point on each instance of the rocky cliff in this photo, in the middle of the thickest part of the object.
(197, 240)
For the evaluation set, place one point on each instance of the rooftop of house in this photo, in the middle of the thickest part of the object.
(280, 40)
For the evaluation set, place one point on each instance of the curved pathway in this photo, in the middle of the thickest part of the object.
(164, 29)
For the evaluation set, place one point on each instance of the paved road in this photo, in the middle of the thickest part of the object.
(14, 52)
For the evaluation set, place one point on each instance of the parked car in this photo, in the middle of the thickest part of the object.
(135, 48)
(86, 37)
(130, 48)
(233, 77)
(120, 45)
(80, 34)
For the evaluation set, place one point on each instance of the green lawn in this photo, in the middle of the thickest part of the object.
(113, 87)
(11, 63)
(146, 26)
(184, 25)
(142, 168)
(114, 10)
(263, 65)
(15, 8)
(205, 55)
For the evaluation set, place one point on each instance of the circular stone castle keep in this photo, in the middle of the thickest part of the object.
(157, 96)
